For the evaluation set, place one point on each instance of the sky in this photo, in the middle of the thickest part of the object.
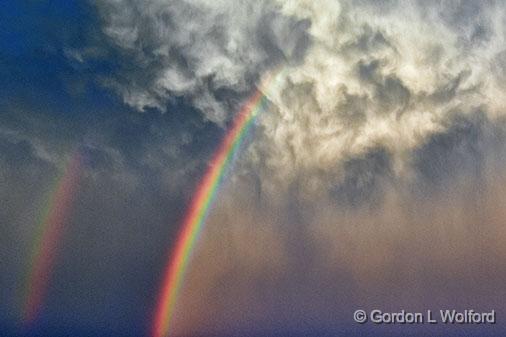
(372, 177)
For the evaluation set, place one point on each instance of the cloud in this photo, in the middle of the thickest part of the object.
(378, 76)
(359, 76)
(208, 52)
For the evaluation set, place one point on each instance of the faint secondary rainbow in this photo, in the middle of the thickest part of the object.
(52, 225)
(198, 210)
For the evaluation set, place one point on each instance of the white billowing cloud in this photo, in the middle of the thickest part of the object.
(377, 77)
(360, 77)
(208, 52)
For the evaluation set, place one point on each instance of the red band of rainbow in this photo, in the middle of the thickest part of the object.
(52, 227)
(197, 212)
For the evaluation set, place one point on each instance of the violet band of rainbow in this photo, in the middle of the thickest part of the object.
(52, 226)
(199, 207)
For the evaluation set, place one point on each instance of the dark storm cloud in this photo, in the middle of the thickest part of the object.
(499, 67)
(458, 148)
(364, 179)
(469, 19)
(465, 150)
(369, 40)
(389, 91)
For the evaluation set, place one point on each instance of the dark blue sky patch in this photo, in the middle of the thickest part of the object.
(37, 39)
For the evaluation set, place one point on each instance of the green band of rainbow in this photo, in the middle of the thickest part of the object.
(52, 226)
(197, 212)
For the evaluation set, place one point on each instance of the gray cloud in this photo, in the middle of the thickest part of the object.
(459, 150)
(364, 179)
(358, 76)
(210, 53)
(378, 79)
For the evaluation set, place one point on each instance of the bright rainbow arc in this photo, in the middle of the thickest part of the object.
(198, 210)
(52, 227)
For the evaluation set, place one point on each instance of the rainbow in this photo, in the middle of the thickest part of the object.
(198, 210)
(51, 228)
